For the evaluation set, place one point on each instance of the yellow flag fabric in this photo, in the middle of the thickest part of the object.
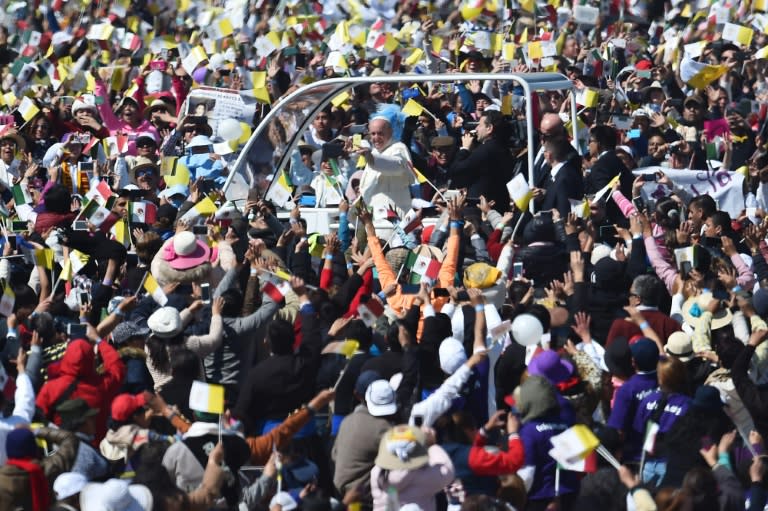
(412, 108)
(44, 258)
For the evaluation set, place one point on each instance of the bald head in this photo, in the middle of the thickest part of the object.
(551, 125)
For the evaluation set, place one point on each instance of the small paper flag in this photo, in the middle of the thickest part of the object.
(206, 397)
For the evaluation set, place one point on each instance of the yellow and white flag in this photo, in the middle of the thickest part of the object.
(205, 207)
(520, 192)
(154, 289)
(699, 75)
(205, 397)
(28, 109)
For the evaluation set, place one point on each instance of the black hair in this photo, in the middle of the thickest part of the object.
(44, 325)
(280, 337)
(158, 351)
(25, 297)
(233, 302)
(668, 213)
(723, 220)
(185, 364)
(605, 136)
(58, 200)
(706, 203)
(358, 330)
(496, 119)
(559, 148)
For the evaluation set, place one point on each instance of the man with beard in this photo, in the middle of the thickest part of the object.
(480, 163)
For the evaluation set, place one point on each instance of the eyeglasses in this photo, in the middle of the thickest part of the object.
(7, 142)
(145, 144)
(692, 106)
(145, 172)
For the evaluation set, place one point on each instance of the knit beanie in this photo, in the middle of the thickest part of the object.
(20, 443)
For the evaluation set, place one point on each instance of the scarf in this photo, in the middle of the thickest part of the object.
(38, 484)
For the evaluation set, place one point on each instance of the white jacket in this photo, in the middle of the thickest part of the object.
(387, 179)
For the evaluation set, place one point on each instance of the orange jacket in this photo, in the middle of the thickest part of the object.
(261, 446)
(401, 302)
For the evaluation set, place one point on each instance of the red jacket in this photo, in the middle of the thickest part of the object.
(486, 463)
(663, 325)
(96, 389)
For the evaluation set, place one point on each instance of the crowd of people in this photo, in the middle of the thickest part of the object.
(465, 333)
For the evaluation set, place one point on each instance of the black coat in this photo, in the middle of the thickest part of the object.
(568, 184)
(485, 170)
(280, 384)
(604, 169)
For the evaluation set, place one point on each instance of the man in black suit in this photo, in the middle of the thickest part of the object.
(483, 165)
(564, 180)
(551, 126)
(606, 166)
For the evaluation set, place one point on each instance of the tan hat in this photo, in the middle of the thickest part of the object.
(679, 345)
(402, 448)
(696, 305)
(156, 104)
(13, 134)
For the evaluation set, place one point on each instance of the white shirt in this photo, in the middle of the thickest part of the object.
(553, 172)
(23, 412)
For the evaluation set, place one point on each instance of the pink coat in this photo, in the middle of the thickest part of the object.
(116, 125)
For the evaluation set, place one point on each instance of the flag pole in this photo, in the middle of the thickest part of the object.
(426, 180)
(141, 284)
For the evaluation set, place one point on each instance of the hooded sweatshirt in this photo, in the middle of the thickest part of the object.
(540, 414)
(79, 365)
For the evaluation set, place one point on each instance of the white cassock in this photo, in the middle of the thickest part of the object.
(385, 182)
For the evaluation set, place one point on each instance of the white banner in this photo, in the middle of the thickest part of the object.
(722, 185)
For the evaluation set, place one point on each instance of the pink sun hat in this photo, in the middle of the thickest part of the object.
(185, 251)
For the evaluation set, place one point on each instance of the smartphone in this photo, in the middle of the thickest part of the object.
(418, 420)
(200, 230)
(67, 100)
(676, 103)
(205, 293)
(206, 186)
(307, 201)
(622, 122)
(650, 178)
(158, 65)
(608, 232)
(301, 60)
(19, 226)
(517, 270)
(429, 212)
(81, 225)
(76, 331)
(85, 166)
(462, 296)
(644, 74)
(410, 289)
(440, 292)
(83, 298)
